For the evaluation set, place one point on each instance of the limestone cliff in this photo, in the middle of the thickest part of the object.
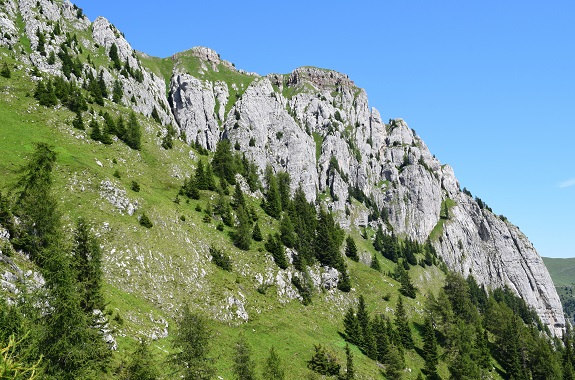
(316, 125)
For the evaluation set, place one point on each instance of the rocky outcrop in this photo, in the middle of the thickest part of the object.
(316, 125)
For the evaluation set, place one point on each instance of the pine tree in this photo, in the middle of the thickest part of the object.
(273, 367)
(430, 350)
(244, 366)
(210, 182)
(5, 72)
(381, 337)
(223, 162)
(275, 247)
(351, 327)
(117, 92)
(349, 368)
(351, 249)
(238, 198)
(88, 266)
(363, 321)
(375, 263)
(200, 176)
(407, 288)
(243, 233)
(402, 325)
(324, 362)
(272, 203)
(133, 133)
(287, 231)
(78, 122)
(113, 54)
(283, 181)
(35, 205)
(141, 365)
(344, 283)
(191, 343)
(95, 133)
(257, 234)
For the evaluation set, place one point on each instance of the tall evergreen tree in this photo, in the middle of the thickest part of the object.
(133, 135)
(88, 267)
(141, 365)
(275, 246)
(430, 350)
(349, 368)
(272, 205)
(351, 249)
(243, 234)
(244, 366)
(238, 197)
(223, 163)
(35, 205)
(273, 367)
(200, 176)
(192, 345)
(257, 233)
(402, 325)
(351, 327)
(283, 181)
(287, 231)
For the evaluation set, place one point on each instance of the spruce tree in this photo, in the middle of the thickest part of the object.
(273, 367)
(141, 365)
(351, 327)
(244, 366)
(117, 92)
(88, 266)
(375, 263)
(113, 54)
(272, 203)
(275, 246)
(430, 350)
(238, 198)
(95, 133)
(192, 345)
(349, 368)
(344, 283)
(243, 233)
(351, 249)
(78, 122)
(133, 133)
(200, 176)
(283, 181)
(402, 325)
(223, 162)
(35, 205)
(257, 234)
(287, 231)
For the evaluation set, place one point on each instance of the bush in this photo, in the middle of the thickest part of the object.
(145, 221)
(221, 259)
(135, 186)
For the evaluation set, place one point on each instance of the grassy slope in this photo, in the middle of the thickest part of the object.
(562, 271)
(151, 291)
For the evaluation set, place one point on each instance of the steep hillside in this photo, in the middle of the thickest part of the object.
(308, 135)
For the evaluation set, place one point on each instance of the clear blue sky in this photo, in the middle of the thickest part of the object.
(489, 85)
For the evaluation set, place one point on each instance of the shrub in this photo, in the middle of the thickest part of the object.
(135, 186)
(221, 259)
(145, 221)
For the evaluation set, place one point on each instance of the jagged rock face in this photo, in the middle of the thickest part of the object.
(327, 114)
(497, 253)
(194, 105)
(275, 137)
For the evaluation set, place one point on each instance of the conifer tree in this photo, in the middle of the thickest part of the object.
(283, 181)
(349, 368)
(430, 350)
(375, 263)
(351, 249)
(5, 72)
(257, 234)
(381, 337)
(272, 203)
(210, 182)
(275, 246)
(117, 92)
(324, 362)
(35, 205)
(351, 327)
(141, 365)
(191, 343)
(113, 54)
(344, 283)
(243, 234)
(273, 367)
(238, 198)
(402, 325)
(244, 366)
(133, 133)
(407, 288)
(223, 163)
(78, 122)
(88, 266)
(95, 133)
(200, 176)
(287, 231)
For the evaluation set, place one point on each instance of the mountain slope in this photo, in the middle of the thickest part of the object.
(314, 124)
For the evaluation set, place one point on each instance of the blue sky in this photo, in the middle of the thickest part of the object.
(489, 85)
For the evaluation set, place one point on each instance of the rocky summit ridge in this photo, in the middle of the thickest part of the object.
(316, 125)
